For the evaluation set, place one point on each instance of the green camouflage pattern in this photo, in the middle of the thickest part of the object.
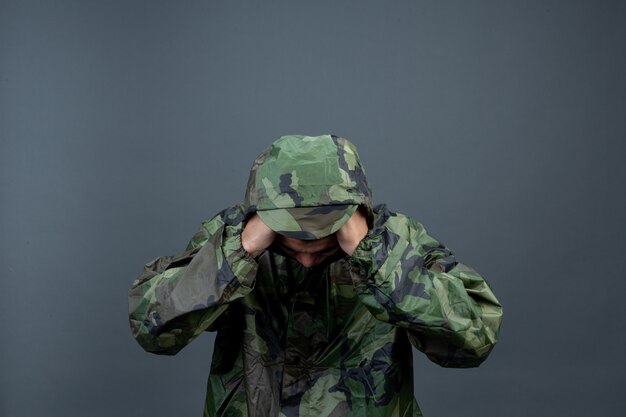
(307, 187)
(308, 223)
(332, 340)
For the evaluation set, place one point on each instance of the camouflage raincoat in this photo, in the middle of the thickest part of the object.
(331, 340)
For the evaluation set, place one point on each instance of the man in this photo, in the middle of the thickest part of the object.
(316, 295)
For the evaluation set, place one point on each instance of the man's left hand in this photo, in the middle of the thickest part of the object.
(350, 234)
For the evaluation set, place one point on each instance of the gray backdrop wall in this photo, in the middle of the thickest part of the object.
(497, 124)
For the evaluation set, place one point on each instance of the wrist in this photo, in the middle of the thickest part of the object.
(248, 245)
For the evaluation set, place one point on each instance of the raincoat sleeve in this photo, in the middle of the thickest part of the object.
(407, 278)
(178, 297)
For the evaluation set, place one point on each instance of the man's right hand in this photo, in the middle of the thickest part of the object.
(256, 236)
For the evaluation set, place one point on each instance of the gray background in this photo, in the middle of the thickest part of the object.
(498, 125)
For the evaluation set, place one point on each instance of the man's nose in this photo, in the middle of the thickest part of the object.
(307, 260)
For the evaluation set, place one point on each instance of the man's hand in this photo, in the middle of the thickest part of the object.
(351, 233)
(256, 236)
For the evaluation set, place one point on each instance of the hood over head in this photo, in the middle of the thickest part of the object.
(307, 187)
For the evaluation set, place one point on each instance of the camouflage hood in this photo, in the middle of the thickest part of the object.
(307, 186)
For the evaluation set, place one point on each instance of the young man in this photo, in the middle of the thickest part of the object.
(316, 295)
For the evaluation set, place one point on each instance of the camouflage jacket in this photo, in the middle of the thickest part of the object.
(332, 340)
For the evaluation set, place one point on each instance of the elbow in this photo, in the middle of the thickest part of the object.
(157, 346)
(472, 346)
(153, 342)
(462, 357)
(475, 346)
(464, 349)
